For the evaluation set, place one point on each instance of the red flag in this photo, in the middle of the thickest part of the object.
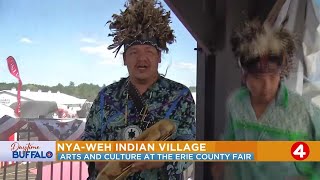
(13, 68)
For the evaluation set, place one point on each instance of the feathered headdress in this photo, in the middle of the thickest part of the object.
(142, 22)
(257, 43)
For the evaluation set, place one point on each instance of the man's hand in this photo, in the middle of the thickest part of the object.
(140, 166)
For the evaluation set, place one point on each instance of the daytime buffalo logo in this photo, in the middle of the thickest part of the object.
(28, 151)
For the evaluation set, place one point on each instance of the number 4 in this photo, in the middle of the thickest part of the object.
(299, 151)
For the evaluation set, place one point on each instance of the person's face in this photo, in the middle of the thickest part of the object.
(142, 62)
(263, 86)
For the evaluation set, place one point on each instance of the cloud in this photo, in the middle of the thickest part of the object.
(185, 65)
(26, 40)
(105, 56)
(89, 40)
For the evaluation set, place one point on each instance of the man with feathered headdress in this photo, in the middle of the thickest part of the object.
(264, 108)
(125, 109)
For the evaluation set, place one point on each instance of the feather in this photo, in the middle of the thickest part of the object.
(141, 19)
(253, 39)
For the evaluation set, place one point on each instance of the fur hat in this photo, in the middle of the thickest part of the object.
(142, 22)
(253, 42)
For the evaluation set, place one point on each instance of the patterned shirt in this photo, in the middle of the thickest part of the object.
(165, 99)
(288, 118)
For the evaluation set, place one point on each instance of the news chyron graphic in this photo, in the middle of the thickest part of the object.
(146, 151)
(257, 151)
(249, 151)
(27, 151)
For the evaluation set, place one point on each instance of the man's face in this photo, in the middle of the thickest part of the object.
(142, 61)
(263, 86)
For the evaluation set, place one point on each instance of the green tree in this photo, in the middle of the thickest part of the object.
(83, 91)
(193, 88)
(71, 84)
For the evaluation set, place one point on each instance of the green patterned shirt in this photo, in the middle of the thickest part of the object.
(288, 118)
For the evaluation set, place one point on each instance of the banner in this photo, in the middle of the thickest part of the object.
(44, 129)
(13, 69)
(204, 151)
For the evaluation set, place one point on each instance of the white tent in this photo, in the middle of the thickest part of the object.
(5, 110)
(194, 95)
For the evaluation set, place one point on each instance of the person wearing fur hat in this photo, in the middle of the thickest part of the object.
(264, 109)
(125, 109)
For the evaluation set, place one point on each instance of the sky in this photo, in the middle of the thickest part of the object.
(61, 41)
